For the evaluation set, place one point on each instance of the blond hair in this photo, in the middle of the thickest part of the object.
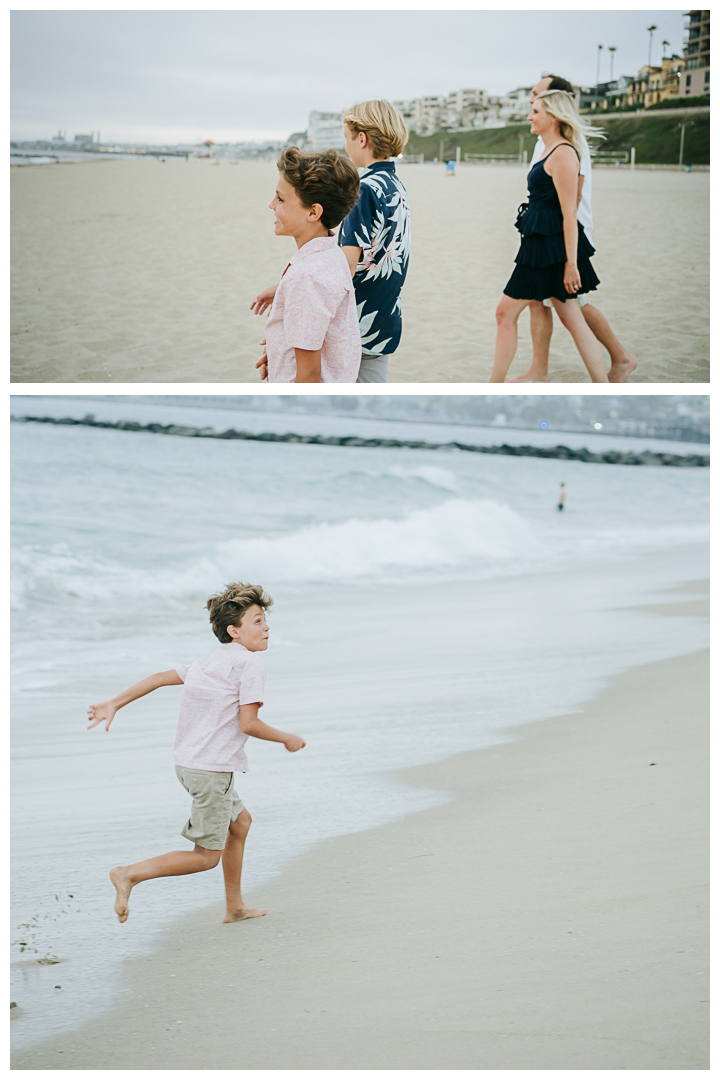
(383, 125)
(228, 607)
(561, 106)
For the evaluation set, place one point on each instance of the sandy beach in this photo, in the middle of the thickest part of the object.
(552, 916)
(142, 271)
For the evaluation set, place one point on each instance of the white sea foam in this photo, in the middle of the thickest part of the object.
(482, 537)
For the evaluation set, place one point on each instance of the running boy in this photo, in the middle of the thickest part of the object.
(218, 711)
(312, 334)
(375, 235)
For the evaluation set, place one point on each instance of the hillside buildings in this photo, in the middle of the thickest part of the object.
(696, 78)
(674, 78)
(464, 110)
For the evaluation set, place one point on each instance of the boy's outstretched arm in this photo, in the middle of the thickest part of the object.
(251, 724)
(106, 710)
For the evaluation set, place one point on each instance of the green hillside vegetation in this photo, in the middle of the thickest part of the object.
(656, 140)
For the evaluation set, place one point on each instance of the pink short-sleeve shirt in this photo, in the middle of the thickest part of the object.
(314, 308)
(209, 735)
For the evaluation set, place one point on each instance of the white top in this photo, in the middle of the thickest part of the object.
(209, 735)
(314, 308)
(584, 213)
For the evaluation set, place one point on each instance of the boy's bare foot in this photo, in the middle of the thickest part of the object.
(619, 371)
(530, 376)
(123, 886)
(244, 913)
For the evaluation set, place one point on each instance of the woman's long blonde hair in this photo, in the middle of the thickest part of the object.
(561, 106)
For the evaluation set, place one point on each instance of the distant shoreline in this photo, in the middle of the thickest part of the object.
(563, 453)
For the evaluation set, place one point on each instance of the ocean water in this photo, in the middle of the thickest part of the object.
(426, 603)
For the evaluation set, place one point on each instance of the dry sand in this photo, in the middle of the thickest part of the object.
(553, 916)
(138, 271)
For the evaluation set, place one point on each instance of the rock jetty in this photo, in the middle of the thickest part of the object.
(562, 453)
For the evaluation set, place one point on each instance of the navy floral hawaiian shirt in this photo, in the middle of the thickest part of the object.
(379, 224)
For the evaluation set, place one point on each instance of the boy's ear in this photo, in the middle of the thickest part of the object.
(316, 211)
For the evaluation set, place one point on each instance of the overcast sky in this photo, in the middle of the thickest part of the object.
(177, 76)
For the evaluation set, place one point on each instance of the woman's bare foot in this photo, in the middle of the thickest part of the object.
(123, 886)
(530, 376)
(244, 913)
(619, 371)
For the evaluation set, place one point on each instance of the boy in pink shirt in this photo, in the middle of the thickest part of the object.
(312, 334)
(218, 711)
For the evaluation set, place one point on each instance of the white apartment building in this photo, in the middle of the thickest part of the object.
(465, 106)
(516, 104)
(325, 131)
(463, 109)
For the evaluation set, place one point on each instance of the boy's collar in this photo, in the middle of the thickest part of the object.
(377, 165)
(317, 244)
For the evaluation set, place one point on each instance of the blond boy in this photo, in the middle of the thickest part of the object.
(375, 235)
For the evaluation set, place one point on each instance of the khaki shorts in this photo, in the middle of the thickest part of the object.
(216, 805)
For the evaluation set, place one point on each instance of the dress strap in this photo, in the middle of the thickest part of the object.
(562, 144)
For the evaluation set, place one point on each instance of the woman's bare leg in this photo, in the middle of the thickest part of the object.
(586, 343)
(541, 328)
(506, 316)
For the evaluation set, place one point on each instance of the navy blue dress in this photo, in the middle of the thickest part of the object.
(540, 262)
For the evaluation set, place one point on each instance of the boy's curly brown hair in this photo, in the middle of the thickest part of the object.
(227, 608)
(326, 178)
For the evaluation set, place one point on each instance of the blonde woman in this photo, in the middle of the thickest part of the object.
(554, 258)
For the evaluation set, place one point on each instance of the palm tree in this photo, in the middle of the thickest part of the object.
(612, 50)
(651, 30)
(597, 78)
(665, 43)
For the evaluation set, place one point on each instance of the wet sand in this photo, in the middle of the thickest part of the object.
(552, 916)
(139, 271)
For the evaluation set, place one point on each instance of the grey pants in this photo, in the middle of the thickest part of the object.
(373, 368)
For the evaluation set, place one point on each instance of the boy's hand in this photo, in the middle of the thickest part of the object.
(105, 711)
(293, 743)
(262, 362)
(263, 300)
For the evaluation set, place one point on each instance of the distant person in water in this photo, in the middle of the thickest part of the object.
(553, 262)
(561, 498)
(622, 362)
(221, 696)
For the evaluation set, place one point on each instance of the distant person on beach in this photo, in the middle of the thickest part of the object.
(312, 334)
(554, 257)
(221, 696)
(561, 498)
(622, 362)
(375, 235)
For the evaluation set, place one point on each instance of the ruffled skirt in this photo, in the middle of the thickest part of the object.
(540, 262)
